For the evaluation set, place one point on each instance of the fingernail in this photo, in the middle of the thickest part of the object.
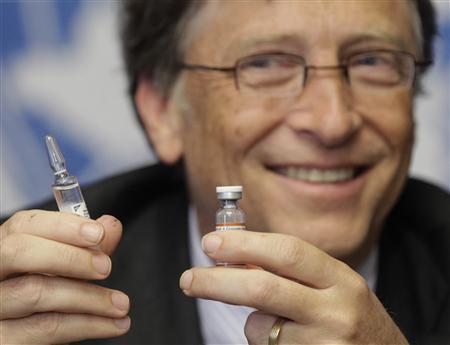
(92, 232)
(210, 243)
(186, 280)
(120, 300)
(123, 323)
(108, 220)
(101, 263)
(114, 221)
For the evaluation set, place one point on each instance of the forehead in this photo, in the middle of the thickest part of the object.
(223, 29)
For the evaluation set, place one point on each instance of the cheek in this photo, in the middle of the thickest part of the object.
(391, 120)
(394, 126)
(203, 122)
(223, 122)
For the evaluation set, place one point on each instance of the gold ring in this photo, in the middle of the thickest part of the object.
(275, 330)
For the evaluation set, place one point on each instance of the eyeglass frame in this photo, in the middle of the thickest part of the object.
(344, 67)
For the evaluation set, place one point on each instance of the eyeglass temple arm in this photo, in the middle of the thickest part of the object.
(423, 64)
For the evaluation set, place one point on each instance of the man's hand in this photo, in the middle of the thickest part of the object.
(46, 259)
(324, 300)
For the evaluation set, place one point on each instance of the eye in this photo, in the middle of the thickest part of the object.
(259, 62)
(275, 62)
(271, 71)
(369, 60)
(381, 68)
(373, 59)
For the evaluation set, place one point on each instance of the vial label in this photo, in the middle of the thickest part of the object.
(226, 227)
(79, 208)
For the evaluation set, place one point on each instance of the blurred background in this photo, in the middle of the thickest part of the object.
(62, 74)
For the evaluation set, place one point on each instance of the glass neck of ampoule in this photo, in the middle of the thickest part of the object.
(63, 178)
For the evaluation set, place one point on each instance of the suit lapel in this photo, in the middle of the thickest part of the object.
(409, 285)
(173, 315)
(151, 257)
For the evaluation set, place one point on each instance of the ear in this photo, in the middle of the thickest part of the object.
(160, 121)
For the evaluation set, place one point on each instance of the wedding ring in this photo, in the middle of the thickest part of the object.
(275, 331)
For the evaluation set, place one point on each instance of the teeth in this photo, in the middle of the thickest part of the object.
(318, 175)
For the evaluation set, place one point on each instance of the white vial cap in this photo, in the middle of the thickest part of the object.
(229, 189)
(229, 192)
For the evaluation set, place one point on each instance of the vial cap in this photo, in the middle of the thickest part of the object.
(229, 192)
(229, 189)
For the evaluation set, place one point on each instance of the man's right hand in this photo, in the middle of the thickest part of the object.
(45, 262)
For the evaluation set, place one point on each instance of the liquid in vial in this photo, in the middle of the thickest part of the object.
(69, 199)
(229, 216)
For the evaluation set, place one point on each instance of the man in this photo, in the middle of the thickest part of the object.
(309, 106)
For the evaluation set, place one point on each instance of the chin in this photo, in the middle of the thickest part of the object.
(346, 237)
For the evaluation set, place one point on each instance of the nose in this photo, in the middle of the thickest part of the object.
(325, 109)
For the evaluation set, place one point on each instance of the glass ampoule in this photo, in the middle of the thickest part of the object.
(229, 216)
(66, 188)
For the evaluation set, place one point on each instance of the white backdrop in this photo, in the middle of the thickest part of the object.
(61, 73)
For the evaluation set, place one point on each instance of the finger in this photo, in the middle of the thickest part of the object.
(255, 288)
(58, 226)
(23, 253)
(113, 233)
(259, 325)
(29, 294)
(57, 328)
(284, 255)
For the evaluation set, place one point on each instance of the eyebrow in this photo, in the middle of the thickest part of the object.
(297, 41)
(373, 38)
(285, 38)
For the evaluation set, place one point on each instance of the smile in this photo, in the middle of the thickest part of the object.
(316, 175)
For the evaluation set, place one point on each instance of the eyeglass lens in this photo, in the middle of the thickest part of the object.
(284, 74)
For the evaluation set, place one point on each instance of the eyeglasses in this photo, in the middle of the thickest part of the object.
(281, 74)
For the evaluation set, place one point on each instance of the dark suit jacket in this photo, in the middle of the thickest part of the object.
(414, 266)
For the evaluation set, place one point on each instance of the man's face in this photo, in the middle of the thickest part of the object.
(293, 155)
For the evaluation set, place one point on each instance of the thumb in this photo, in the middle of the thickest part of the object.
(113, 233)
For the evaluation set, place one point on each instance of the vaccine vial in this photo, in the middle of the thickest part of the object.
(68, 196)
(229, 216)
(66, 188)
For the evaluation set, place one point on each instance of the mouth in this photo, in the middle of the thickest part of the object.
(321, 175)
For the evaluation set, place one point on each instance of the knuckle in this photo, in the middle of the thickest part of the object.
(263, 291)
(18, 221)
(360, 289)
(242, 246)
(291, 253)
(29, 289)
(5, 333)
(350, 320)
(9, 333)
(12, 248)
(69, 256)
(43, 325)
(349, 325)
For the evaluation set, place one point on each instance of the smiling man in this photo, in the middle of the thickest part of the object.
(315, 122)
(309, 106)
